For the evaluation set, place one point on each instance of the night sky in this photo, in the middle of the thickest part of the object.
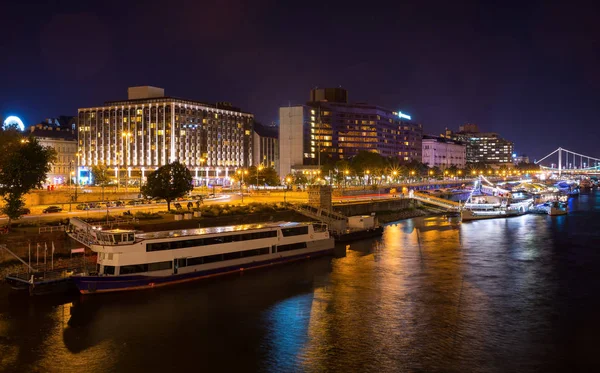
(530, 72)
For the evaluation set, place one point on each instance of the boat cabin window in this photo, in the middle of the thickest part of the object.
(109, 270)
(183, 243)
(297, 231)
(117, 238)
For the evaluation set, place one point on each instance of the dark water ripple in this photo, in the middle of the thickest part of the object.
(507, 295)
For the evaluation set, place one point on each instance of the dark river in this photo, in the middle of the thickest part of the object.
(504, 295)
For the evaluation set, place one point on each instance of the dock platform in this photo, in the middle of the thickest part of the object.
(57, 281)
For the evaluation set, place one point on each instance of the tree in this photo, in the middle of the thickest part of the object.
(169, 182)
(264, 176)
(100, 176)
(24, 164)
(299, 178)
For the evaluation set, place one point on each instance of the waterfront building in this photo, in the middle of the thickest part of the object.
(483, 147)
(518, 159)
(329, 128)
(443, 152)
(149, 130)
(59, 134)
(266, 146)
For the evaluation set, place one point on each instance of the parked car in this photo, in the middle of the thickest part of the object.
(51, 209)
(24, 211)
(82, 206)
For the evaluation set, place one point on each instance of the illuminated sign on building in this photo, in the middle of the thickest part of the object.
(404, 116)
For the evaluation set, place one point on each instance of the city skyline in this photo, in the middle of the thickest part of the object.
(526, 72)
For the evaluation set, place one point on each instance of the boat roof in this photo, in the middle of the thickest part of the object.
(213, 230)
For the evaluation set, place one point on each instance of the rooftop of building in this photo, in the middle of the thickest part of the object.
(442, 139)
(266, 131)
(149, 94)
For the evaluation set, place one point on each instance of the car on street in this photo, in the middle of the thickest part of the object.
(51, 209)
(24, 211)
(82, 206)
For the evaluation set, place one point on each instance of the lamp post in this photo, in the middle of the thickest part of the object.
(395, 173)
(126, 136)
(242, 173)
(259, 168)
(287, 185)
(77, 175)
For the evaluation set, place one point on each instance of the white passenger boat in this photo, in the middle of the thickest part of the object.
(131, 261)
(489, 207)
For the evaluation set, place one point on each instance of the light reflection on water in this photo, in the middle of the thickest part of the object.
(431, 294)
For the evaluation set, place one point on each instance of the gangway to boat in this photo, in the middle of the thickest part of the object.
(440, 202)
(81, 231)
(336, 221)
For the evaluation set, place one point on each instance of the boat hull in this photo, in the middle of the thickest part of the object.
(106, 284)
(469, 216)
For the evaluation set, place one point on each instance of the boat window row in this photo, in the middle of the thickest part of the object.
(186, 262)
(150, 267)
(293, 246)
(297, 231)
(181, 244)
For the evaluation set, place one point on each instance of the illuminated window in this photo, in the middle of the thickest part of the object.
(161, 132)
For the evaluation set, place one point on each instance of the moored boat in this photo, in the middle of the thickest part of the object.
(131, 261)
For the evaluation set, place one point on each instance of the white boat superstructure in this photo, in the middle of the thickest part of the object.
(128, 260)
(493, 202)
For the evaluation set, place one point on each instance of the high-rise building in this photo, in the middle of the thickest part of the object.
(443, 153)
(266, 146)
(149, 130)
(483, 147)
(331, 129)
(59, 134)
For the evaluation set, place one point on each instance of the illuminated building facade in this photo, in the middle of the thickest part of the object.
(332, 129)
(266, 147)
(59, 134)
(443, 153)
(483, 147)
(150, 130)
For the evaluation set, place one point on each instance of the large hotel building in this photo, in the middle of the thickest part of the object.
(329, 128)
(483, 147)
(149, 130)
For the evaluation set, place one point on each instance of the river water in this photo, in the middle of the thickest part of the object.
(504, 295)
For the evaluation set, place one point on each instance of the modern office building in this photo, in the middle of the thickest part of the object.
(266, 146)
(329, 128)
(443, 153)
(59, 134)
(483, 147)
(149, 130)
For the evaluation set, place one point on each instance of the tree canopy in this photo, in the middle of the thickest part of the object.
(169, 182)
(24, 164)
(266, 176)
(100, 175)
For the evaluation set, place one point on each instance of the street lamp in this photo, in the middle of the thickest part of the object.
(259, 168)
(125, 162)
(288, 180)
(242, 173)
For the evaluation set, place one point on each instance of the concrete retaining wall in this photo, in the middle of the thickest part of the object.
(367, 207)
